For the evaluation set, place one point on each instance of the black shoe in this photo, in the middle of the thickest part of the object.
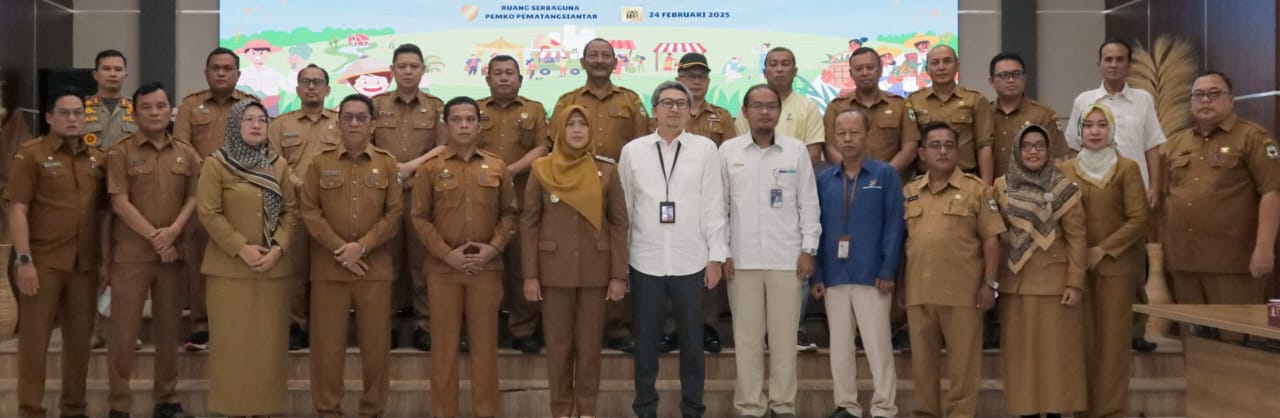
(841, 413)
(527, 345)
(1141, 345)
(991, 342)
(395, 339)
(297, 338)
(199, 341)
(117, 414)
(464, 344)
(901, 340)
(710, 339)
(77, 416)
(624, 344)
(803, 344)
(422, 339)
(669, 343)
(169, 410)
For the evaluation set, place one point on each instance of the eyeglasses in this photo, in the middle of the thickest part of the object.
(312, 82)
(1212, 95)
(763, 107)
(673, 104)
(68, 113)
(1009, 75)
(1040, 147)
(358, 117)
(940, 147)
(252, 120)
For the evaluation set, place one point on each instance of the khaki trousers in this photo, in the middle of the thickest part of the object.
(522, 315)
(960, 328)
(854, 309)
(573, 322)
(300, 283)
(68, 297)
(408, 256)
(476, 297)
(765, 302)
(331, 301)
(130, 285)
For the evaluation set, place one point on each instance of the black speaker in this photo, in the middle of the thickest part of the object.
(52, 79)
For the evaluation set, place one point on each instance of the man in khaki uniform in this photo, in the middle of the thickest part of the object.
(108, 116)
(406, 125)
(709, 120)
(514, 128)
(616, 116)
(201, 123)
(966, 110)
(352, 205)
(55, 209)
(1221, 165)
(953, 254)
(1013, 110)
(465, 212)
(893, 137)
(299, 136)
(152, 181)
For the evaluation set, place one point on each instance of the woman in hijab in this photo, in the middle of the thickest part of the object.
(574, 229)
(1041, 281)
(246, 202)
(1115, 225)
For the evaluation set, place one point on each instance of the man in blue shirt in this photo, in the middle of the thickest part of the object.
(862, 235)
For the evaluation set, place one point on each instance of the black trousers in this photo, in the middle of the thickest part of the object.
(651, 295)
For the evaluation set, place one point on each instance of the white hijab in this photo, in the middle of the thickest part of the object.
(1098, 167)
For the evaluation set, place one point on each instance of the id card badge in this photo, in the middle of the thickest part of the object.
(775, 198)
(667, 212)
(842, 247)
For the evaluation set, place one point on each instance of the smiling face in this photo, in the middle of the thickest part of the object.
(942, 64)
(253, 126)
(1035, 150)
(370, 85)
(598, 59)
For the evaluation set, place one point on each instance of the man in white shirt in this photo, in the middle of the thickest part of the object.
(1138, 136)
(774, 230)
(675, 197)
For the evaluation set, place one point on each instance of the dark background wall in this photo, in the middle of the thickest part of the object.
(34, 34)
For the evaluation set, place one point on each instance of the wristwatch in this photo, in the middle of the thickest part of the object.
(24, 259)
(809, 251)
(994, 285)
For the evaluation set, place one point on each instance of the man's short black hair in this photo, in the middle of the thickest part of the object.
(1224, 77)
(864, 50)
(934, 126)
(460, 100)
(1005, 56)
(108, 53)
(1116, 41)
(322, 71)
(506, 58)
(63, 92)
(866, 121)
(357, 98)
(407, 49)
(149, 88)
(782, 49)
(222, 51)
(606, 43)
(752, 89)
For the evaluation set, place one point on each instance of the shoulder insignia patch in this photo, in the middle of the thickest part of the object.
(991, 203)
(1272, 152)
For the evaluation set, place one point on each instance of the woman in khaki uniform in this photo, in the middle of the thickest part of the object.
(1115, 206)
(575, 215)
(1042, 279)
(247, 203)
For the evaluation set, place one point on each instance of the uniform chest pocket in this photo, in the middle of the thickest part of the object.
(528, 132)
(888, 121)
(377, 180)
(962, 117)
(446, 190)
(1229, 159)
(1178, 169)
(201, 117)
(486, 123)
(957, 210)
(388, 121)
(424, 120)
(332, 181)
(291, 140)
(141, 167)
(912, 214)
(180, 167)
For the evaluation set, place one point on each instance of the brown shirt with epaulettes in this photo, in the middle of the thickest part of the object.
(1049, 271)
(1006, 126)
(157, 176)
(966, 110)
(231, 210)
(1216, 182)
(351, 197)
(202, 121)
(946, 231)
(1115, 217)
(570, 252)
(512, 131)
(62, 188)
(407, 129)
(891, 125)
(615, 119)
(458, 200)
(711, 121)
(298, 137)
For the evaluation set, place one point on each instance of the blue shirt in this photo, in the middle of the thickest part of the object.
(874, 225)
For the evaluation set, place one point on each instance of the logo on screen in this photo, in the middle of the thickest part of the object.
(633, 14)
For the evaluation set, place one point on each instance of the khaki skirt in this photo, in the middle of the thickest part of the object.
(248, 345)
(1042, 342)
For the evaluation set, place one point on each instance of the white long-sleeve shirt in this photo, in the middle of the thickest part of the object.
(698, 234)
(762, 236)
(1137, 127)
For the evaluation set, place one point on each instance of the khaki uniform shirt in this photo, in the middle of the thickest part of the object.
(1051, 270)
(1216, 182)
(298, 138)
(1116, 218)
(407, 129)
(351, 198)
(230, 208)
(945, 234)
(157, 177)
(891, 126)
(202, 121)
(103, 127)
(1006, 126)
(511, 132)
(13, 132)
(967, 111)
(711, 121)
(570, 252)
(457, 201)
(62, 189)
(615, 119)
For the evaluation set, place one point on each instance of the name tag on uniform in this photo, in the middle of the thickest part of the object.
(290, 134)
(842, 246)
(332, 172)
(135, 163)
(52, 164)
(775, 198)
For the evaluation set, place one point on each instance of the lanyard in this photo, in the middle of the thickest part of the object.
(662, 160)
(848, 197)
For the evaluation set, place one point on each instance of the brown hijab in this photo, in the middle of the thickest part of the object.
(569, 174)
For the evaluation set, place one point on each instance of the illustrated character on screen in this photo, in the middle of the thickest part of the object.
(367, 77)
(856, 43)
(891, 75)
(473, 65)
(919, 45)
(732, 70)
(669, 63)
(265, 82)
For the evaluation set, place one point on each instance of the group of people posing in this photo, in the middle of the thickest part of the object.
(616, 229)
